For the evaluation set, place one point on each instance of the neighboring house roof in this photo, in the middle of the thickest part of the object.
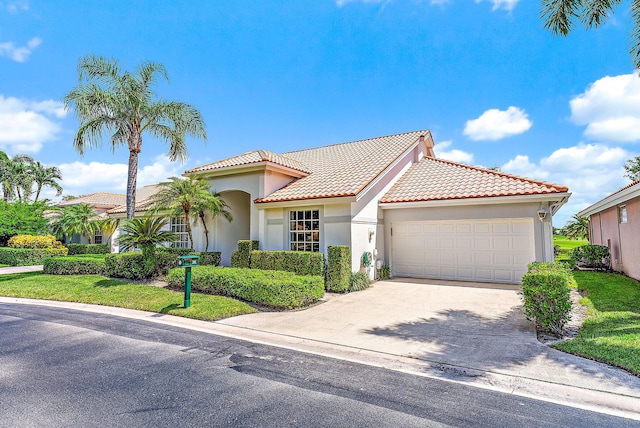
(255, 157)
(144, 199)
(96, 199)
(620, 196)
(433, 179)
(343, 169)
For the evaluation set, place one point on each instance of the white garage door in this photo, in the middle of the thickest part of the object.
(474, 250)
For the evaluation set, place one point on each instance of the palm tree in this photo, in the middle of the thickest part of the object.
(125, 105)
(559, 15)
(17, 179)
(44, 176)
(75, 219)
(183, 197)
(577, 227)
(146, 233)
(213, 205)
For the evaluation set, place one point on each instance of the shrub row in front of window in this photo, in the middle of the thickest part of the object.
(272, 288)
(28, 257)
(92, 264)
(75, 249)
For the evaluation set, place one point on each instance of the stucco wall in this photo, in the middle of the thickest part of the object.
(623, 239)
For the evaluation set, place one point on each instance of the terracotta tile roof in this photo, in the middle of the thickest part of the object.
(144, 199)
(343, 169)
(249, 158)
(434, 179)
(96, 199)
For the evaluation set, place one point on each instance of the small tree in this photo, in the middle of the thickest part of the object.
(44, 176)
(213, 205)
(632, 169)
(20, 218)
(146, 233)
(72, 219)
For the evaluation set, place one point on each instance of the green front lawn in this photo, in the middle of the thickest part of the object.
(566, 245)
(611, 333)
(104, 291)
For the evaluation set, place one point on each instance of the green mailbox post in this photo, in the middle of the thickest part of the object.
(187, 262)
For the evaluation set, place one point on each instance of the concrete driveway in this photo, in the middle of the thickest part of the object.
(466, 330)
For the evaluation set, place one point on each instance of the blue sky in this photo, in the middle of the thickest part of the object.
(493, 86)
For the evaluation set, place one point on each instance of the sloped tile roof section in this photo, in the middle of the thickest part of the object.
(434, 179)
(144, 199)
(249, 158)
(343, 169)
(97, 199)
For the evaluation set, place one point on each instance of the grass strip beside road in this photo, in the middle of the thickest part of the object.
(100, 290)
(611, 332)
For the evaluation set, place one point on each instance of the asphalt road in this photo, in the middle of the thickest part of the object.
(60, 367)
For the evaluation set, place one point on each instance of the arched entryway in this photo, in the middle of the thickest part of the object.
(229, 233)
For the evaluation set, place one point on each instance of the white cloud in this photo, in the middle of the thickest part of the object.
(19, 53)
(496, 124)
(15, 6)
(79, 178)
(453, 155)
(591, 171)
(27, 124)
(341, 3)
(507, 5)
(610, 108)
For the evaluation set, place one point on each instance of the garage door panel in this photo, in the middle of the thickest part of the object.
(480, 250)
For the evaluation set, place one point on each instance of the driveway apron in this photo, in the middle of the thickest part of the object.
(466, 327)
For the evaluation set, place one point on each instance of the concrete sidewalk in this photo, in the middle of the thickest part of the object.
(471, 334)
(20, 269)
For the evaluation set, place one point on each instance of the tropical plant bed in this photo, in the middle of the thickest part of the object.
(611, 330)
(99, 290)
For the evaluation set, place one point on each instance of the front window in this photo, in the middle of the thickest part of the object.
(179, 227)
(304, 230)
(623, 214)
(97, 237)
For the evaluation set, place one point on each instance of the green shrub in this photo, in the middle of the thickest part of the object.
(339, 268)
(242, 257)
(177, 251)
(75, 249)
(359, 281)
(383, 273)
(276, 289)
(210, 258)
(132, 266)
(593, 256)
(21, 218)
(29, 257)
(298, 262)
(34, 241)
(546, 295)
(75, 265)
(557, 249)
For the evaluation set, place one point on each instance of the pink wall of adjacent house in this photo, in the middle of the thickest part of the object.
(623, 239)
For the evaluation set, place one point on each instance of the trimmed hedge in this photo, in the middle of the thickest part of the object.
(298, 262)
(131, 265)
(546, 295)
(75, 265)
(339, 268)
(28, 257)
(75, 249)
(242, 257)
(593, 256)
(34, 241)
(176, 251)
(276, 289)
(210, 258)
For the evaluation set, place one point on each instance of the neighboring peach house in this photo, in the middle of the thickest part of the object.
(388, 196)
(615, 222)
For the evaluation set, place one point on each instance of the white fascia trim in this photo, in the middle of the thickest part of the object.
(558, 198)
(243, 169)
(384, 172)
(305, 202)
(612, 200)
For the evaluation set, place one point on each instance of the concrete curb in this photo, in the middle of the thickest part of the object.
(579, 397)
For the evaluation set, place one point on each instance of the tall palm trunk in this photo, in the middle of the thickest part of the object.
(132, 179)
(206, 231)
(187, 220)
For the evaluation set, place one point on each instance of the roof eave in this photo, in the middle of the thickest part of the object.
(305, 202)
(558, 199)
(248, 168)
(612, 200)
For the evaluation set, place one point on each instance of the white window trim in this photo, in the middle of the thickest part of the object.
(175, 224)
(289, 231)
(621, 209)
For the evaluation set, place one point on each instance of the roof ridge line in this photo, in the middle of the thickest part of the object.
(426, 131)
(499, 173)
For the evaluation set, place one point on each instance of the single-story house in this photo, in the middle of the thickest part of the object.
(387, 196)
(391, 197)
(615, 222)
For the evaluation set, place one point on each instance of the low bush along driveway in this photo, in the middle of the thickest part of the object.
(611, 332)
